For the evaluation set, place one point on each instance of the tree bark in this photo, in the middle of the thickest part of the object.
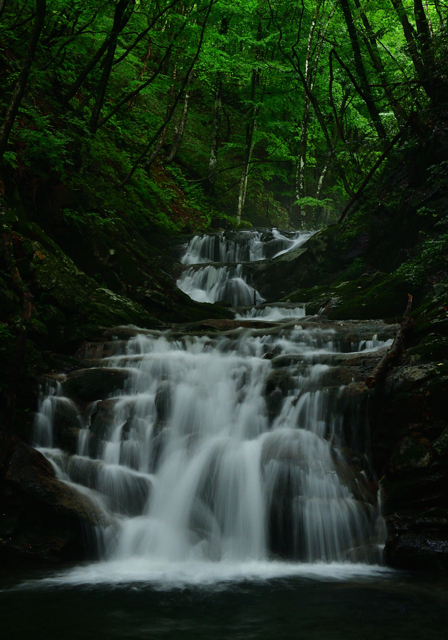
(217, 109)
(303, 143)
(22, 80)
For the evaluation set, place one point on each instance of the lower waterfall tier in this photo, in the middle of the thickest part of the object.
(233, 448)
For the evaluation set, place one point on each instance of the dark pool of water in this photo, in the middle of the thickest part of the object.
(398, 607)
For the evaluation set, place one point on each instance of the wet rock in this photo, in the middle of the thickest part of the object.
(412, 550)
(163, 401)
(280, 379)
(102, 417)
(274, 402)
(125, 491)
(48, 521)
(278, 386)
(34, 475)
(66, 424)
(100, 350)
(353, 471)
(94, 384)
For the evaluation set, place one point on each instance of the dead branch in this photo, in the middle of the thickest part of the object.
(395, 351)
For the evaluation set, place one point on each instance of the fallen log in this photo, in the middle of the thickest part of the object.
(392, 355)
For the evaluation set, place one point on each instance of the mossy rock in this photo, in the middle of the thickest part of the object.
(431, 349)
(385, 299)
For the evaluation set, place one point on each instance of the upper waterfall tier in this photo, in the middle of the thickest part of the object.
(241, 246)
(226, 282)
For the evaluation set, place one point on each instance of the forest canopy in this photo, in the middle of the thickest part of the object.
(281, 108)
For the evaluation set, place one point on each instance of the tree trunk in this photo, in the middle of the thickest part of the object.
(180, 128)
(121, 19)
(159, 131)
(251, 127)
(360, 70)
(22, 80)
(371, 46)
(245, 173)
(217, 110)
(409, 36)
(2, 7)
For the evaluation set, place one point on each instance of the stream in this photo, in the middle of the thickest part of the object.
(232, 469)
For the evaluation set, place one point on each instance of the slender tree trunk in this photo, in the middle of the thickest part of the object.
(158, 144)
(303, 144)
(251, 127)
(360, 70)
(123, 12)
(409, 36)
(421, 50)
(21, 82)
(155, 137)
(129, 97)
(371, 46)
(214, 136)
(146, 31)
(2, 7)
(217, 110)
(73, 90)
(180, 128)
(245, 173)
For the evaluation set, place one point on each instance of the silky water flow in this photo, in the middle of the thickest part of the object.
(224, 455)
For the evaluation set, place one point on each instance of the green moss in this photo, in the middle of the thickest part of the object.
(432, 348)
(385, 299)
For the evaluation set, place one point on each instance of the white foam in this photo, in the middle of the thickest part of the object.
(163, 575)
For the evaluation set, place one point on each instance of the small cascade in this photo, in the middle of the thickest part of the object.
(224, 280)
(218, 284)
(269, 312)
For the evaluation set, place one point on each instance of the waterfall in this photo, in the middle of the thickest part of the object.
(239, 447)
(224, 281)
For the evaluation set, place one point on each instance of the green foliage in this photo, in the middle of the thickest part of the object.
(303, 152)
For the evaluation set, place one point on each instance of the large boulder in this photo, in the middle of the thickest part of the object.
(95, 383)
(46, 519)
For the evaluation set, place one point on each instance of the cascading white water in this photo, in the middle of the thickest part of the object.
(242, 246)
(216, 451)
(273, 313)
(218, 284)
(224, 450)
(213, 283)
